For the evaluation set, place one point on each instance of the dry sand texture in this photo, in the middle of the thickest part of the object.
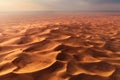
(60, 48)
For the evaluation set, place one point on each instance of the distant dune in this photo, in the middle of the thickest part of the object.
(60, 48)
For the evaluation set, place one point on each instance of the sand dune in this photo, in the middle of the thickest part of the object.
(83, 49)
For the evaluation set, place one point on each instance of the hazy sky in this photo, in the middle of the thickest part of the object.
(59, 5)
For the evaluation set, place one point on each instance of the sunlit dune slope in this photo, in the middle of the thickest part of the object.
(87, 48)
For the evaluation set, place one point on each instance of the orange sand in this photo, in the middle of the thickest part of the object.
(60, 48)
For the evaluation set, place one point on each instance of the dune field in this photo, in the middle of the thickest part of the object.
(60, 47)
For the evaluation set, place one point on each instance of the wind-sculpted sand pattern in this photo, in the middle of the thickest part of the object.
(74, 51)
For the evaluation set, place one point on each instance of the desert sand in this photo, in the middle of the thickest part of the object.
(62, 47)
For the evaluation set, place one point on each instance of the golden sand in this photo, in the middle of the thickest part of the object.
(70, 48)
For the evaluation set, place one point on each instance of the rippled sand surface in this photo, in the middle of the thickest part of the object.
(61, 48)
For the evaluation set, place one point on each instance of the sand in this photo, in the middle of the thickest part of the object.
(70, 48)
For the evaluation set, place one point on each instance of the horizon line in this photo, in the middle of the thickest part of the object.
(65, 11)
